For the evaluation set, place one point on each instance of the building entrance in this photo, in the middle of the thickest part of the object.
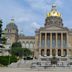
(53, 52)
(54, 60)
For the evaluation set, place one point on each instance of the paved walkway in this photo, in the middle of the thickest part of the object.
(35, 70)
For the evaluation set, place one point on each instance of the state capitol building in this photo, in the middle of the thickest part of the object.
(51, 40)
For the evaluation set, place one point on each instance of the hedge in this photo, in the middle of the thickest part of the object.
(5, 60)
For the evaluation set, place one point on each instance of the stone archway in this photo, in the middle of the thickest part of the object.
(27, 44)
(23, 44)
(53, 52)
(59, 52)
(48, 52)
(31, 44)
(42, 52)
(65, 52)
(54, 60)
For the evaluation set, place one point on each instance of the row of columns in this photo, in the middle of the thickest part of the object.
(51, 44)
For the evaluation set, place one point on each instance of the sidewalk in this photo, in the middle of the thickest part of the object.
(35, 70)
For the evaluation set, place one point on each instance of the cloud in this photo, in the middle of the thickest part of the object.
(24, 17)
(28, 14)
(35, 25)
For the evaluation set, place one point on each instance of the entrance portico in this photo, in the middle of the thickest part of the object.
(53, 44)
(53, 41)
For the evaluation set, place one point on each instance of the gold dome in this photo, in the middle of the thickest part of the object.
(54, 12)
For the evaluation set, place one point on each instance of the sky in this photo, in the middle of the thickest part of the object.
(30, 15)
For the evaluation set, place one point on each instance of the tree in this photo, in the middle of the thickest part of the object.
(17, 45)
(4, 40)
(16, 49)
(27, 52)
(0, 30)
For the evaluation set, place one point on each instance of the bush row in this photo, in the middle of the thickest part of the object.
(5, 60)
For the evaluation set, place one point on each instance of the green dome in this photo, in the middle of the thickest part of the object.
(12, 25)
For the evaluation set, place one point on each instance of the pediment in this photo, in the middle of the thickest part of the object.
(55, 28)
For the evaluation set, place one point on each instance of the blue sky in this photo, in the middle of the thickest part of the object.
(30, 14)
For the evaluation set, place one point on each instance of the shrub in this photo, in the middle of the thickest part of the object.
(5, 60)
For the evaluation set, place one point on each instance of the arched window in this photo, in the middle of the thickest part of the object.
(27, 45)
(31, 45)
(23, 44)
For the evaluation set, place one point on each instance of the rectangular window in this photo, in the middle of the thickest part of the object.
(48, 40)
(43, 40)
(53, 40)
(59, 40)
(64, 40)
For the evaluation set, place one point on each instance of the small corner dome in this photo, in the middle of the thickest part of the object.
(11, 25)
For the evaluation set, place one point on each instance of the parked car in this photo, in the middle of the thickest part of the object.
(28, 58)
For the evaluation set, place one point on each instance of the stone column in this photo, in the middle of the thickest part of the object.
(39, 52)
(67, 40)
(56, 41)
(36, 46)
(56, 46)
(45, 44)
(61, 44)
(68, 54)
(36, 41)
(40, 46)
(40, 40)
(50, 44)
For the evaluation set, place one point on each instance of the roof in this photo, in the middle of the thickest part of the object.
(11, 25)
(26, 37)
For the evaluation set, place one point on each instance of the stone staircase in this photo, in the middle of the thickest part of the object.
(26, 66)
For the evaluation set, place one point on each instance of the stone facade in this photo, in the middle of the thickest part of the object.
(51, 40)
(11, 33)
(27, 41)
